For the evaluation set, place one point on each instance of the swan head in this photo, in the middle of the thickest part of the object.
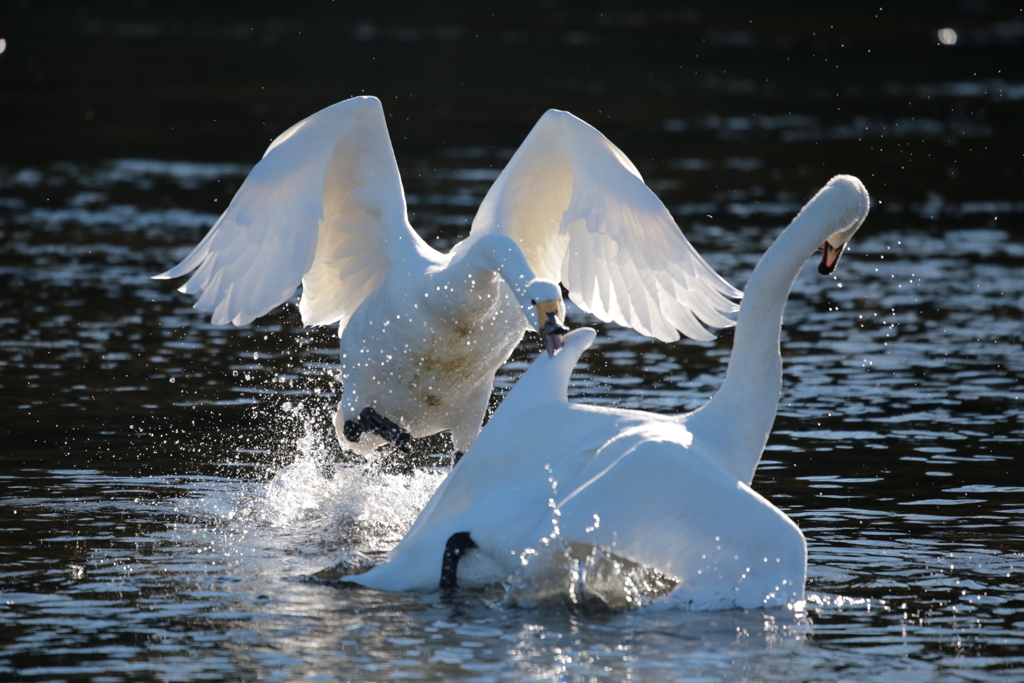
(547, 313)
(848, 202)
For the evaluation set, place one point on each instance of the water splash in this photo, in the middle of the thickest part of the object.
(352, 506)
(584, 578)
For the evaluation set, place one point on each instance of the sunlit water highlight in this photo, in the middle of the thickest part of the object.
(175, 506)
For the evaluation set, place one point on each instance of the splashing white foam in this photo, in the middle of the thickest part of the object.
(355, 505)
(319, 507)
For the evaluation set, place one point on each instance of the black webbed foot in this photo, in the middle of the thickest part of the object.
(375, 423)
(454, 549)
(390, 431)
(353, 430)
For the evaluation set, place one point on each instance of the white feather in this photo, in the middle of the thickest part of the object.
(326, 193)
(576, 205)
(423, 333)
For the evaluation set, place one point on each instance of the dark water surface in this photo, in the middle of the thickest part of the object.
(173, 502)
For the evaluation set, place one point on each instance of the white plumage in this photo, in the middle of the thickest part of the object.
(423, 333)
(670, 492)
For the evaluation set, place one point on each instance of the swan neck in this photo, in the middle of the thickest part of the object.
(740, 416)
(759, 326)
(500, 254)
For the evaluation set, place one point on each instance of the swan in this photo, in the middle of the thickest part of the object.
(671, 492)
(423, 333)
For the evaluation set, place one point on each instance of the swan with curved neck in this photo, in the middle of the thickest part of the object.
(753, 380)
(670, 492)
(423, 333)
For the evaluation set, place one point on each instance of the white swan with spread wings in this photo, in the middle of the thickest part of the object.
(423, 333)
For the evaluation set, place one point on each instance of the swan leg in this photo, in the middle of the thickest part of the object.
(457, 545)
(372, 421)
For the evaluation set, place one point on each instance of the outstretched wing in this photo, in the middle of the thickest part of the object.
(324, 208)
(582, 215)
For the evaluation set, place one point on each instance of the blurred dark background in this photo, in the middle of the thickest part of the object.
(218, 80)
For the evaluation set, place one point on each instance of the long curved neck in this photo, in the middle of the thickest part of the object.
(736, 423)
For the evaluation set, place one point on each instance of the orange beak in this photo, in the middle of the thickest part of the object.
(829, 258)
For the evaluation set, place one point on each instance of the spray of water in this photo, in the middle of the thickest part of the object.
(360, 509)
(580, 576)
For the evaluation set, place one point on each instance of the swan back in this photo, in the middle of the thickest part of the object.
(549, 474)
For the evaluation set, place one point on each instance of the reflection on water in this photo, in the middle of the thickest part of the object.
(894, 451)
(174, 504)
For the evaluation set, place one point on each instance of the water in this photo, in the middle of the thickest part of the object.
(174, 506)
